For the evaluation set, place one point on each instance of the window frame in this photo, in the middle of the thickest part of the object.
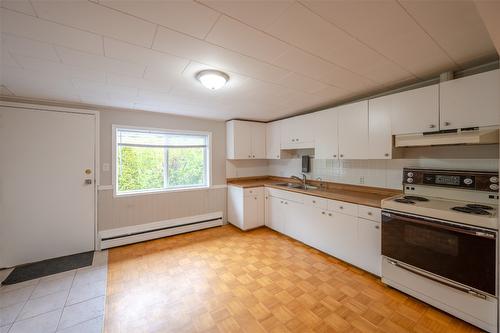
(114, 164)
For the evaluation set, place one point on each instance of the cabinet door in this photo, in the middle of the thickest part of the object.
(379, 128)
(258, 140)
(326, 134)
(275, 217)
(353, 130)
(254, 211)
(235, 206)
(296, 132)
(273, 140)
(471, 101)
(297, 217)
(288, 133)
(415, 111)
(239, 139)
(342, 243)
(369, 251)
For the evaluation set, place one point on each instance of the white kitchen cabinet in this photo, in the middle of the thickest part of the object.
(353, 130)
(245, 207)
(415, 111)
(368, 254)
(379, 128)
(245, 140)
(275, 214)
(297, 132)
(273, 140)
(326, 144)
(471, 101)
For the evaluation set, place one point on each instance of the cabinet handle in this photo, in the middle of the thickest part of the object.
(323, 213)
(377, 227)
(278, 156)
(447, 123)
(432, 126)
(314, 201)
(334, 155)
(255, 198)
(386, 154)
(329, 214)
(281, 201)
(253, 156)
(249, 155)
(341, 155)
(370, 213)
(286, 203)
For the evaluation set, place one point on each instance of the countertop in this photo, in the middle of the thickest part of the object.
(361, 195)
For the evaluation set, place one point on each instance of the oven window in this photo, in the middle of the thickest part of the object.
(450, 251)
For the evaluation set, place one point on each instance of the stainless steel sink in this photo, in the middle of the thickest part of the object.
(297, 186)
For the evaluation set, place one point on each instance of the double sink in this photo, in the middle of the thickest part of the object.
(297, 186)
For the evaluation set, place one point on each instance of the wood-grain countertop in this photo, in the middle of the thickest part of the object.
(361, 195)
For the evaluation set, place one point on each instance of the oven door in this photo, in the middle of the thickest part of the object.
(457, 252)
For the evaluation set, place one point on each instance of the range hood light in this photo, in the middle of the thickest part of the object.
(212, 79)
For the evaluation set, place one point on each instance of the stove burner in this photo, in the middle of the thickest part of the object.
(478, 206)
(469, 210)
(415, 198)
(404, 200)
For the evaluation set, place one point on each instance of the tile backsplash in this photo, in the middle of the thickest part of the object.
(379, 173)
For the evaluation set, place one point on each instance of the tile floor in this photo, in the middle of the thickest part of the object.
(71, 301)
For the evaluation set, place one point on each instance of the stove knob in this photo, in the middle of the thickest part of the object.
(494, 187)
(494, 179)
(410, 174)
(467, 181)
(409, 180)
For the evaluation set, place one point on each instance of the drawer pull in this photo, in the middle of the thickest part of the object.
(323, 213)
(329, 214)
(370, 214)
(314, 201)
(341, 207)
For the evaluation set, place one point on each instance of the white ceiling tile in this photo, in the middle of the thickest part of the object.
(29, 47)
(258, 14)
(306, 30)
(50, 68)
(37, 29)
(455, 25)
(185, 16)
(188, 47)
(386, 27)
(302, 83)
(104, 64)
(8, 59)
(92, 17)
(241, 38)
(21, 6)
(169, 64)
(94, 88)
(489, 12)
(139, 83)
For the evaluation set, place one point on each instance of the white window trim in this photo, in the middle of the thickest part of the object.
(163, 190)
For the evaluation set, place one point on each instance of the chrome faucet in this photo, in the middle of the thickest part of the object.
(303, 180)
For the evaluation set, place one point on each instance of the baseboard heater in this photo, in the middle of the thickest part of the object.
(143, 232)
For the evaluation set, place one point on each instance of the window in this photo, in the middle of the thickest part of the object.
(152, 160)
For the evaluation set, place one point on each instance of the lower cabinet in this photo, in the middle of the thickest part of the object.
(245, 207)
(351, 237)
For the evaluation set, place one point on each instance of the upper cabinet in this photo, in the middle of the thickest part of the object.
(379, 128)
(353, 130)
(471, 101)
(245, 140)
(325, 125)
(273, 140)
(296, 132)
(415, 111)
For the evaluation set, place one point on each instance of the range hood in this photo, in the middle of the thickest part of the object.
(475, 136)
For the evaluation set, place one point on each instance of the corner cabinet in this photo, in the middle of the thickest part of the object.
(245, 140)
(273, 140)
(245, 207)
(353, 130)
(471, 101)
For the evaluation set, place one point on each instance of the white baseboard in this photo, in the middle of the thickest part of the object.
(143, 232)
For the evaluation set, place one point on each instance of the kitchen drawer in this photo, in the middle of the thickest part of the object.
(342, 207)
(369, 213)
(287, 195)
(315, 202)
(253, 191)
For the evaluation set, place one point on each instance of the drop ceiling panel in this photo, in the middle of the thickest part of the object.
(139, 83)
(98, 19)
(29, 47)
(185, 16)
(184, 46)
(489, 12)
(21, 6)
(45, 31)
(259, 14)
(306, 30)
(456, 26)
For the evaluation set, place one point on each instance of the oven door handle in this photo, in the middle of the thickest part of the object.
(441, 225)
(428, 276)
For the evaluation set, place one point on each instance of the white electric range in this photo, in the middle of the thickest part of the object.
(439, 242)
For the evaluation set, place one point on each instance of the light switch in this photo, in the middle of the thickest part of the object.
(105, 167)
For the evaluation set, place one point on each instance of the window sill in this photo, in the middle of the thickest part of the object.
(163, 191)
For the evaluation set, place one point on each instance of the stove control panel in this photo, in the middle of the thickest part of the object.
(472, 180)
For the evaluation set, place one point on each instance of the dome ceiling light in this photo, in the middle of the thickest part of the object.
(212, 79)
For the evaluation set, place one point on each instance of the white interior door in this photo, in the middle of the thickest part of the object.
(46, 207)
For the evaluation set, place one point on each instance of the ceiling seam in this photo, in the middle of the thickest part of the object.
(33, 7)
(357, 39)
(212, 27)
(428, 34)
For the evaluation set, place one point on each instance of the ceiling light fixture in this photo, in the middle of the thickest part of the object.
(212, 79)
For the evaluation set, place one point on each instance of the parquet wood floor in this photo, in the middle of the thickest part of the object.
(226, 280)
